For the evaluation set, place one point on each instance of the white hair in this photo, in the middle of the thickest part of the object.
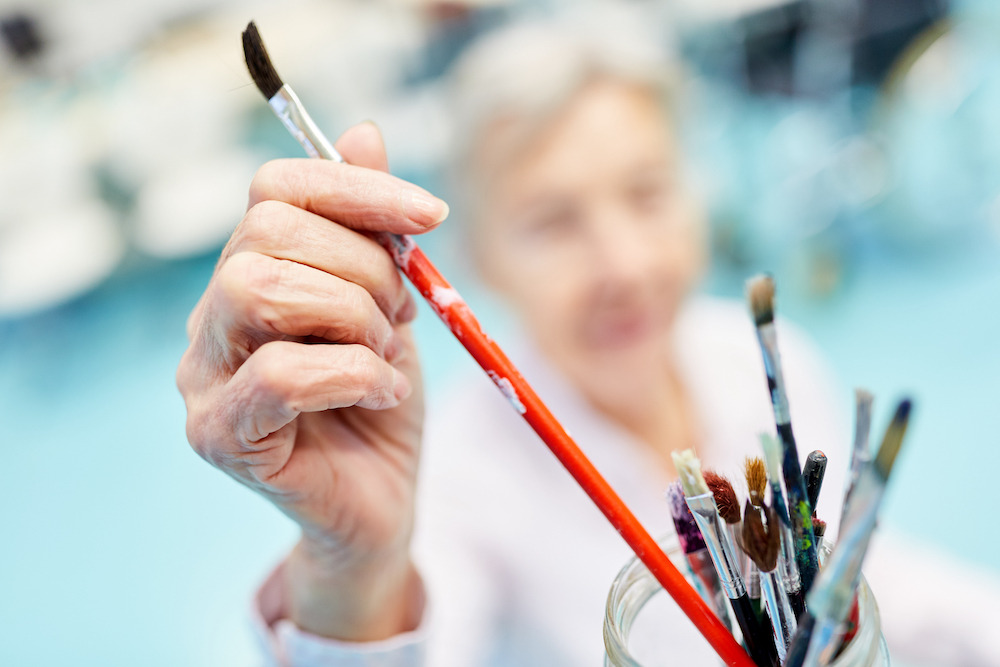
(524, 74)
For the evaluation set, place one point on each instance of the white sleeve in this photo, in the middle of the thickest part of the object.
(284, 645)
(935, 608)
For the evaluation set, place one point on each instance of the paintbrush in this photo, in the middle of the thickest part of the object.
(696, 552)
(787, 562)
(760, 294)
(729, 510)
(813, 472)
(756, 480)
(729, 507)
(756, 636)
(460, 320)
(819, 529)
(860, 454)
(762, 546)
(817, 641)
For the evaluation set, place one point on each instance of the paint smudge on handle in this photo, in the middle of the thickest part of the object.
(507, 389)
(444, 297)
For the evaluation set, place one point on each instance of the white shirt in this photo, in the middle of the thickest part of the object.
(517, 561)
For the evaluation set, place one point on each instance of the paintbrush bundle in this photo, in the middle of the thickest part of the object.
(802, 615)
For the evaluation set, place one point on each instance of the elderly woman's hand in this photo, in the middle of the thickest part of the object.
(302, 380)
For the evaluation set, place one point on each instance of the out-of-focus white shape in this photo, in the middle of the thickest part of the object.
(416, 128)
(194, 206)
(41, 159)
(935, 81)
(55, 255)
(183, 96)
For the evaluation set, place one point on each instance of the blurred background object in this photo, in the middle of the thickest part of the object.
(851, 147)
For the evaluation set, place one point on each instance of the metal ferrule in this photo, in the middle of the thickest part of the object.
(710, 587)
(768, 338)
(743, 560)
(293, 115)
(787, 565)
(706, 514)
(789, 569)
(779, 609)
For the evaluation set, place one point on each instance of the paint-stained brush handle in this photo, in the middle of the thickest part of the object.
(813, 472)
(457, 315)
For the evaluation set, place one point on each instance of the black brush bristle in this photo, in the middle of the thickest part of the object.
(258, 62)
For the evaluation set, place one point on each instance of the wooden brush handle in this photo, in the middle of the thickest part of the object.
(459, 318)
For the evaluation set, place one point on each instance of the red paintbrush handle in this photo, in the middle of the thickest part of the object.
(454, 312)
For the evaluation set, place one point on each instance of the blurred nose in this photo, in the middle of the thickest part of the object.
(624, 251)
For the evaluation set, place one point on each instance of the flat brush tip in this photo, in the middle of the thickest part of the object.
(760, 296)
(893, 439)
(259, 63)
(756, 478)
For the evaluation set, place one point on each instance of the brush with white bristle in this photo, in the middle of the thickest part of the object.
(699, 560)
(760, 295)
(787, 564)
(756, 635)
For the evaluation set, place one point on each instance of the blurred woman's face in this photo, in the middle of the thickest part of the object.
(591, 237)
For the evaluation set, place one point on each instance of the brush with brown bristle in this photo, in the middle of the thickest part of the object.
(729, 509)
(756, 480)
(727, 502)
(762, 545)
(760, 295)
(755, 473)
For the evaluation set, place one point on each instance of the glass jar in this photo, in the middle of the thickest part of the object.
(636, 591)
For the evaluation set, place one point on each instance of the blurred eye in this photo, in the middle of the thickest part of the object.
(552, 223)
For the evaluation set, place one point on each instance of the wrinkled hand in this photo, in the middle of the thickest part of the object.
(302, 380)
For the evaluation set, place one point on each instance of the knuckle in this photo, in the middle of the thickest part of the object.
(183, 377)
(249, 277)
(269, 375)
(361, 367)
(267, 180)
(264, 224)
(363, 320)
(199, 434)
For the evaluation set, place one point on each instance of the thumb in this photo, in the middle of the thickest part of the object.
(362, 146)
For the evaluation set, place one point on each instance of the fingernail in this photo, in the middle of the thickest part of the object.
(423, 208)
(402, 388)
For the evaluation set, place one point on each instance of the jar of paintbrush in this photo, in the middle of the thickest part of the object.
(638, 610)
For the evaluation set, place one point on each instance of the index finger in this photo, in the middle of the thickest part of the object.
(356, 197)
